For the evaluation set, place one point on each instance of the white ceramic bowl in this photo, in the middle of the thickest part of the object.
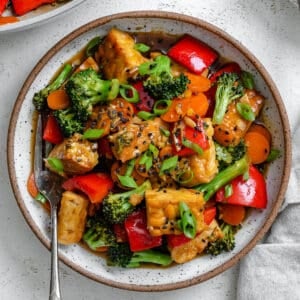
(93, 266)
(38, 16)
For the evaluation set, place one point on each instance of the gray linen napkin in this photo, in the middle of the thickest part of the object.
(272, 269)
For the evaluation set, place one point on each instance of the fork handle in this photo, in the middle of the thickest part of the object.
(54, 283)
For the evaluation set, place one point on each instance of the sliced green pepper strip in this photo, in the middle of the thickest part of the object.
(126, 89)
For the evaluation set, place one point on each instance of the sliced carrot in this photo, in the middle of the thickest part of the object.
(176, 111)
(258, 146)
(58, 99)
(262, 129)
(191, 106)
(197, 105)
(87, 64)
(232, 214)
(198, 83)
(31, 186)
(8, 19)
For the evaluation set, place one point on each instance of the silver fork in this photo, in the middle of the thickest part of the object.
(49, 184)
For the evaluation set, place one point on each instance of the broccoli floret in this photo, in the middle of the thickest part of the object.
(228, 89)
(40, 98)
(116, 207)
(160, 83)
(239, 167)
(68, 121)
(226, 244)
(86, 89)
(226, 156)
(98, 234)
(120, 255)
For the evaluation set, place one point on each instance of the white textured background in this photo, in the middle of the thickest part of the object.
(269, 28)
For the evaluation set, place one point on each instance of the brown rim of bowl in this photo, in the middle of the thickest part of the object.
(186, 19)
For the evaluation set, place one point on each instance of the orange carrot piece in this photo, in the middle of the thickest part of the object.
(262, 129)
(198, 83)
(197, 105)
(31, 186)
(232, 214)
(8, 19)
(175, 111)
(58, 99)
(191, 106)
(258, 146)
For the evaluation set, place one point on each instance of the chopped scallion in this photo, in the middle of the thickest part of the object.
(245, 111)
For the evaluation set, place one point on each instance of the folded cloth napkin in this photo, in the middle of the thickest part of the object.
(272, 269)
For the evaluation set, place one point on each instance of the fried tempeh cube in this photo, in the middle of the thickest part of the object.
(187, 251)
(71, 218)
(234, 126)
(163, 209)
(77, 155)
(118, 57)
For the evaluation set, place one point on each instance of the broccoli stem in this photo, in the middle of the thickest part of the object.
(149, 256)
(222, 178)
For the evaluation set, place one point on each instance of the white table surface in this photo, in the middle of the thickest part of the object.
(269, 28)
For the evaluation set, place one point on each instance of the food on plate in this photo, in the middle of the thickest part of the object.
(17, 8)
(161, 145)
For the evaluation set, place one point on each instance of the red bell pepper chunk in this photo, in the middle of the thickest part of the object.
(52, 132)
(193, 54)
(195, 135)
(138, 234)
(251, 192)
(146, 102)
(3, 4)
(22, 7)
(175, 240)
(95, 185)
(231, 67)
(209, 214)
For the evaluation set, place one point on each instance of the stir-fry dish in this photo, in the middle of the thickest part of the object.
(17, 8)
(161, 145)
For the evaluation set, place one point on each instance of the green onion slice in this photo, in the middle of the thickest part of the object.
(228, 190)
(114, 89)
(164, 131)
(55, 164)
(168, 164)
(245, 111)
(40, 198)
(273, 155)
(130, 167)
(141, 47)
(126, 90)
(247, 80)
(127, 181)
(185, 176)
(93, 133)
(161, 107)
(92, 46)
(187, 143)
(187, 223)
(144, 115)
